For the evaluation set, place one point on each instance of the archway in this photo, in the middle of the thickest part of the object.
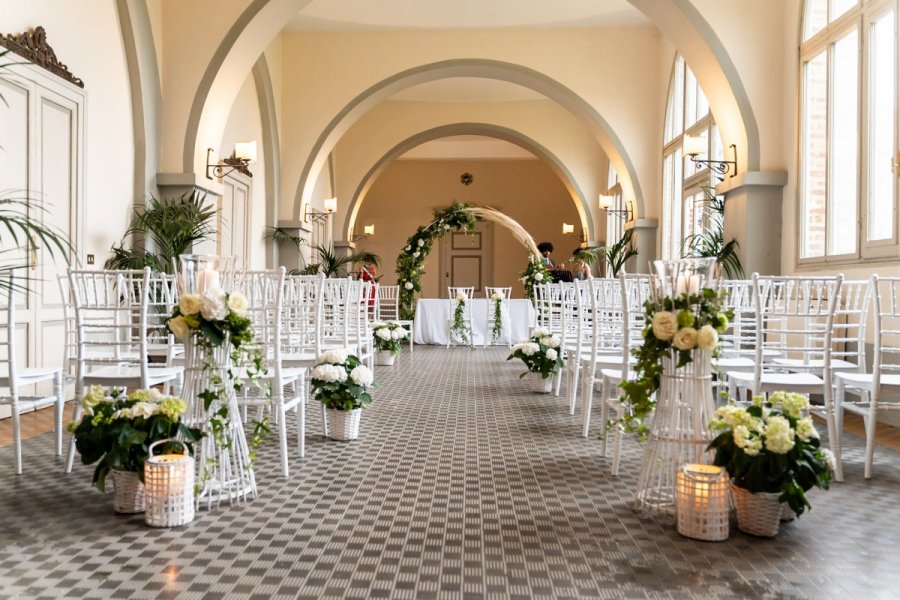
(485, 129)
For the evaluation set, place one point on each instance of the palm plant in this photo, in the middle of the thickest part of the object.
(619, 253)
(171, 226)
(711, 243)
(327, 261)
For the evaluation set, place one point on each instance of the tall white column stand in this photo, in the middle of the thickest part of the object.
(678, 432)
(684, 402)
(224, 469)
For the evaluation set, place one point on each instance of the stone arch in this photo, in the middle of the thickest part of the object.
(485, 129)
(485, 68)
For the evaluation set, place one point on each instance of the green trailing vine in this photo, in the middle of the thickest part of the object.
(675, 327)
(497, 331)
(410, 262)
(460, 328)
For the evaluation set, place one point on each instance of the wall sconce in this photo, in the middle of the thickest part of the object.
(694, 145)
(311, 214)
(606, 203)
(368, 230)
(569, 229)
(244, 154)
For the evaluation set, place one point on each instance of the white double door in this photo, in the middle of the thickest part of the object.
(41, 148)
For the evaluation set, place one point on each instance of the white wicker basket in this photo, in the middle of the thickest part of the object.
(703, 502)
(169, 484)
(385, 358)
(539, 385)
(343, 425)
(128, 498)
(758, 514)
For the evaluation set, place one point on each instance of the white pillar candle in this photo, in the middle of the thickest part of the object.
(207, 280)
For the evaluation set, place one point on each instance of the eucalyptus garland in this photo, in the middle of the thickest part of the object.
(497, 331)
(410, 263)
(460, 328)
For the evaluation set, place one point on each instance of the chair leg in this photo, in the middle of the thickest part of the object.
(572, 386)
(604, 413)
(587, 398)
(59, 408)
(76, 414)
(17, 439)
(324, 421)
(301, 428)
(871, 423)
(282, 436)
(832, 430)
(558, 381)
(617, 451)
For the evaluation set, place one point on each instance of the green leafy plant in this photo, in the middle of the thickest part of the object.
(535, 273)
(675, 327)
(340, 266)
(711, 243)
(460, 328)
(170, 227)
(619, 253)
(389, 336)
(540, 353)
(116, 431)
(771, 447)
(341, 382)
(497, 329)
(412, 258)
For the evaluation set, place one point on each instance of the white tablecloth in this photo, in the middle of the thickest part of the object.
(432, 316)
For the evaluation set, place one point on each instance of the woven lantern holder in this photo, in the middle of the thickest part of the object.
(169, 487)
(703, 502)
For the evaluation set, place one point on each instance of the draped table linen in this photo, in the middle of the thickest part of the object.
(433, 314)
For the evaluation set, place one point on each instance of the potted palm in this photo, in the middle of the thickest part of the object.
(388, 341)
(540, 353)
(341, 382)
(116, 432)
(773, 455)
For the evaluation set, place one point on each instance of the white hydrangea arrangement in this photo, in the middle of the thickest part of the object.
(389, 336)
(341, 382)
(540, 353)
(772, 446)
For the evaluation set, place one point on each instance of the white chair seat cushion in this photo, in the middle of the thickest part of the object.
(866, 379)
(796, 363)
(29, 376)
(736, 363)
(769, 379)
(30, 403)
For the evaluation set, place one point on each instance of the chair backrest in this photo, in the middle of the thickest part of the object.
(70, 340)
(111, 318)
(333, 314)
(884, 306)
(506, 292)
(8, 350)
(388, 302)
(795, 317)
(301, 313)
(607, 317)
(264, 291)
(848, 333)
(454, 291)
(162, 296)
(739, 339)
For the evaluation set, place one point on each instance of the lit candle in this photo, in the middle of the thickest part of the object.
(207, 279)
(687, 284)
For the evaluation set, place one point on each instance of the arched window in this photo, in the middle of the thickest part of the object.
(848, 130)
(687, 113)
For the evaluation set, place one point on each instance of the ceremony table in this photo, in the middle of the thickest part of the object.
(433, 314)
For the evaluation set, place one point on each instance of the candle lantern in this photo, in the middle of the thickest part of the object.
(703, 502)
(201, 273)
(169, 487)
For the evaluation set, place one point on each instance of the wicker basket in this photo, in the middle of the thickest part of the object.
(539, 385)
(758, 514)
(128, 498)
(169, 486)
(703, 502)
(343, 425)
(385, 358)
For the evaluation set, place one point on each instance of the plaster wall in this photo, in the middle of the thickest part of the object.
(407, 192)
(108, 136)
(543, 121)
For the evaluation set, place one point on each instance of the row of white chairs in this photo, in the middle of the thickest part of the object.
(802, 334)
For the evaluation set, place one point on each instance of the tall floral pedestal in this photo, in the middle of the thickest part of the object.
(224, 469)
(678, 434)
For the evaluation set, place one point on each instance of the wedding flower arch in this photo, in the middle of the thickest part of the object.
(457, 217)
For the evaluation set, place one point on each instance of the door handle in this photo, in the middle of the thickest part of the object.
(34, 257)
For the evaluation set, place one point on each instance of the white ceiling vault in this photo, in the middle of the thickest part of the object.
(407, 15)
(372, 15)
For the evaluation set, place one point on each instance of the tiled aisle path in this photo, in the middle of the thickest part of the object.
(463, 484)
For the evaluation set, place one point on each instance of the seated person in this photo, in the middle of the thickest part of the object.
(580, 268)
(545, 248)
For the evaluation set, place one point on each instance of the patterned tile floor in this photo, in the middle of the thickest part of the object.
(464, 484)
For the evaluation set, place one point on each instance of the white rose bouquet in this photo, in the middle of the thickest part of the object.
(389, 336)
(540, 353)
(772, 446)
(116, 431)
(675, 327)
(341, 382)
(213, 315)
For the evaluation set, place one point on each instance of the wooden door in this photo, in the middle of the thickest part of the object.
(467, 260)
(232, 225)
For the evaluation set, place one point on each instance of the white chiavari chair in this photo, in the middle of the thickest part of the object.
(389, 310)
(453, 292)
(874, 390)
(111, 324)
(14, 378)
(490, 318)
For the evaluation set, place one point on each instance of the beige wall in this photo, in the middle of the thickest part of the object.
(109, 136)
(407, 192)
